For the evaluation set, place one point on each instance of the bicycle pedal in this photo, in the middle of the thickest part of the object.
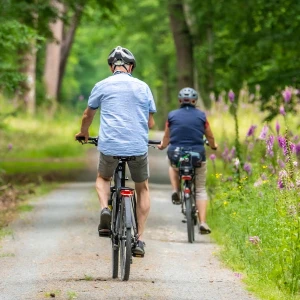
(183, 221)
(104, 233)
(137, 255)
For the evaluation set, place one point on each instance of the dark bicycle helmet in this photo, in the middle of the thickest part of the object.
(120, 56)
(188, 96)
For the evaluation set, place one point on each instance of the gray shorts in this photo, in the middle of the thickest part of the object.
(139, 168)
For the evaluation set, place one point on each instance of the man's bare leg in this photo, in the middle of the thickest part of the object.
(143, 205)
(103, 190)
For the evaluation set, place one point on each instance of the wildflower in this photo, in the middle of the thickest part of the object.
(258, 182)
(232, 153)
(280, 184)
(281, 110)
(282, 144)
(263, 133)
(257, 87)
(212, 157)
(212, 96)
(250, 146)
(231, 96)
(277, 127)
(238, 275)
(225, 154)
(251, 130)
(293, 147)
(254, 240)
(287, 95)
(297, 149)
(9, 147)
(281, 163)
(270, 143)
(236, 163)
(247, 168)
(263, 176)
(225, 203)
(295, 163)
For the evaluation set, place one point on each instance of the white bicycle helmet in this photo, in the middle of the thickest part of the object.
(188, 96)
(120, 56)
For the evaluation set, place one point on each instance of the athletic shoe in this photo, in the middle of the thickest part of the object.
(175, 198)
(139, 250)
(204, 228)
(104, 226)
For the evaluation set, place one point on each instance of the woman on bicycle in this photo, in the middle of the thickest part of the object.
(186, 128)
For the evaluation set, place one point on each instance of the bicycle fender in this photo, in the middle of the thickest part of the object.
(127, 201)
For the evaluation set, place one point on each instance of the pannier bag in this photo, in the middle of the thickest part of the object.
(191, 158)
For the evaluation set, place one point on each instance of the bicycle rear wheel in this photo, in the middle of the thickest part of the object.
(114, 237)
(189, 219)
(125, 242)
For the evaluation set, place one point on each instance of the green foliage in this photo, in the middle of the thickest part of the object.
(155, 53)
(250, 41)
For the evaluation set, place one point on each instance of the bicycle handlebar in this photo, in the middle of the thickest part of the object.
(94, 141)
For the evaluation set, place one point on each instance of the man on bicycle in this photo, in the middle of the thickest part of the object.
(186, 128)
(126, 113)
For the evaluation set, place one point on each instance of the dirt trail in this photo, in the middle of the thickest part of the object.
(55, 249)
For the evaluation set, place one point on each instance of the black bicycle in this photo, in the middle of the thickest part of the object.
(187, 163)
(124, 225)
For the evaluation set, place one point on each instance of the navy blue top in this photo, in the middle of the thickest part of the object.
(187, 127)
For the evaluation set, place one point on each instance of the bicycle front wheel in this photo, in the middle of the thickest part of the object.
(189, 219)
(125, 253)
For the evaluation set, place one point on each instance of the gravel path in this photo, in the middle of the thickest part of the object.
(55, 251)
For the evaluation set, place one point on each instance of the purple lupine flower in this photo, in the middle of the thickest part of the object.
(297, 149)
(277, 127)
(280, 184)
(9, 147)
(247, 168)
(212, 157)
(270, 143)
(293, 147)
(264, 132)
(251, 130)
(232, 153)
(225, 154)
(287, 95)
(281, 110)
(281, 141)
(231, 96)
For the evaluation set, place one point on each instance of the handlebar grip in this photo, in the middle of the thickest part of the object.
(80, 138)
(154, 142)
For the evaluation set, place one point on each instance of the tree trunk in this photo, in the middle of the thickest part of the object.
(183, 44)
(67, 42)
(28, 68)
(53, 52)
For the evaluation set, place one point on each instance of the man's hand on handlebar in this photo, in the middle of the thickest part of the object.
(84, 135)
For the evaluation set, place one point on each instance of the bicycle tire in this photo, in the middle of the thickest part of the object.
(114, 238)
(125, 242)
(189, 219)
